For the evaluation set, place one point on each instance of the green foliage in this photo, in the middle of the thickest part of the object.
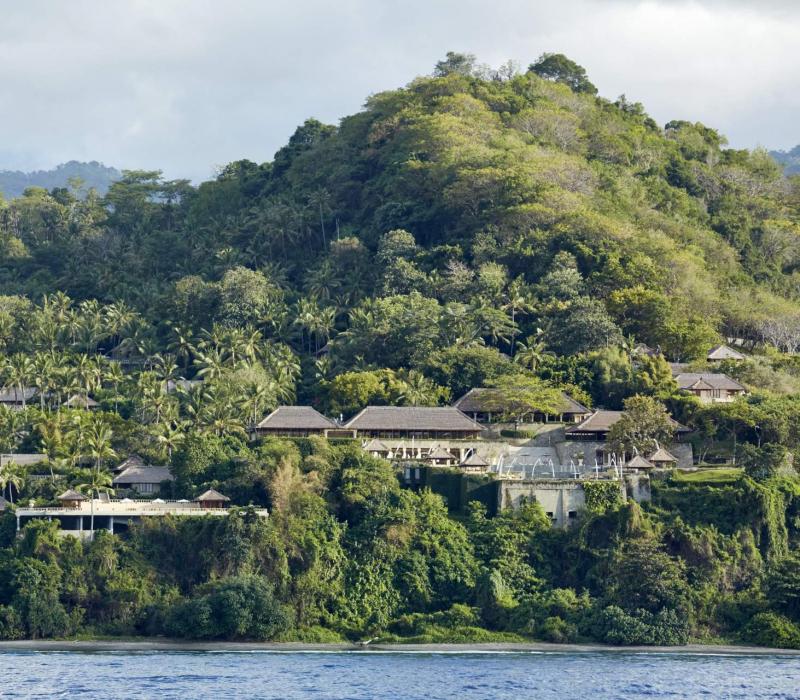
(557, 67)
(761, 463)
(602, 495)
(783, 586)
(491, 229)
(241, 607)
(519, 434)
(644, 425)
(770, 629)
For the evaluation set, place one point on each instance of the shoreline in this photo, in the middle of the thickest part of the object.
(165, 645)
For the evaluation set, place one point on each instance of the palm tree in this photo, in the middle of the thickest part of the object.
(532, 353)
(170, 436)
(115, 375)
(19, 373)
(96, 481)
(182, 346)
(211, 364)
(98, 442)
(43, 376)
(517, 303)
(12, 428)
(87, 375)
(52, 440)
(11, 477)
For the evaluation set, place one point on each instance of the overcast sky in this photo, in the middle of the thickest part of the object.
(189, 85)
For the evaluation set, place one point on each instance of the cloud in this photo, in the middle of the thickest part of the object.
(186, 85)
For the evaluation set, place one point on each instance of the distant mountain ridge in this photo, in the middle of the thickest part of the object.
(790, 160)
(94, 174)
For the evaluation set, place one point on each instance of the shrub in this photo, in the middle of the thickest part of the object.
(519, 434)
(238, 607)
(770, 629)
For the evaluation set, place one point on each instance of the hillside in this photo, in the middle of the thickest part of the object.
(790, 160)
(13, 183)
(501, 185)
(476, 229)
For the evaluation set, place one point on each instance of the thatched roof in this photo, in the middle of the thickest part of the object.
(480, 400)
(474, 460)
(439, 453)
(376, 445)
(639, 462)
(72, 495)
(724, 352)
(707, 381)
(413, 418)
(78, 401)
(296, 418)
(140, 474)
(661, 455)
(9, 394)
(211, 495)
(601, 421)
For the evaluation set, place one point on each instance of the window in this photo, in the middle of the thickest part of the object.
(572, 514)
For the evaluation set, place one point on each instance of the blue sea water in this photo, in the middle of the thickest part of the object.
(395, 676)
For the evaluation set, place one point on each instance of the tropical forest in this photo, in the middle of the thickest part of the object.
(503, 228)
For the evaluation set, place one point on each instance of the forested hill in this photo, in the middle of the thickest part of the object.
(13, 183)
(790, 160)
(488, 204)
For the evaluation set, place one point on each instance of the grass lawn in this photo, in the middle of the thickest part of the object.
(718, 475)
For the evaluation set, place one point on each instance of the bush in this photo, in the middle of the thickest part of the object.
(558, 630)
(761, 463)
(770, 629)
(239, 607)
(519, 434)
(10, 623)
(665, 628)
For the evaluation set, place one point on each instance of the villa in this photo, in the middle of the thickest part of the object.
(711, 387)
(481, 406)
(413, 422)
(294, 421)
(77, 513)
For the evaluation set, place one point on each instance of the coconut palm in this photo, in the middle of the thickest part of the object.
(531, 353)
(12, 478)
(95, 482)
(19, 372)
(182, 346)
(98, 442)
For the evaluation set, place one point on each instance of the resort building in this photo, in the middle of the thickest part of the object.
(597, 426)
(663, 459)
(294, 421)
(481, 405)
(142, 478)
(14, 397)
(711, 387)
(76, 513)
(413, 422)
(474, 464)
(22, 459)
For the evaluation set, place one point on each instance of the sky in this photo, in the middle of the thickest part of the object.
(187, 86)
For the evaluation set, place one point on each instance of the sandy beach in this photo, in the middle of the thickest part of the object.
(164, 645)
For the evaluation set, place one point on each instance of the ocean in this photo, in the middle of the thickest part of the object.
(374, 675)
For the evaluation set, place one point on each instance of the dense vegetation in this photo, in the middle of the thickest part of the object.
(476, 228)
(347, 553)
